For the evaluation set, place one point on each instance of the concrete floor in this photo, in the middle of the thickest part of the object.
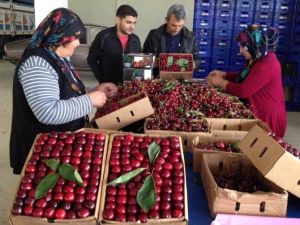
(9, 181)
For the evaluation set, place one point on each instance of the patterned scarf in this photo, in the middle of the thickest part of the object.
(60, 27)
(259, 42)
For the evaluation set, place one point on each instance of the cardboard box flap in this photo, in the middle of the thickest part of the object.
(286, 173)
(261, 149)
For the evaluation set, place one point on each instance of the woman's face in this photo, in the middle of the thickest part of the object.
(244, 52)
(67, 50)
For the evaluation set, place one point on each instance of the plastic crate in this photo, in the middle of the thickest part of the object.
(264, 6)
(285, 6)
(243, 17)
(203, 23)
(202, 71)
(223, 24)
(247, 6)
(204, 51)
(203, 33)
(225, 5)
(224, 15)
(222, 43)
(203, 14)
(204, 5)
(223, 33)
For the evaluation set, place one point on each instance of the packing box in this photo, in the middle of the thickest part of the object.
(217, 127)
(223, 200)
(211, 140)
(176, 221)
(138, 61)
(272, 160)
(227, 219)
(128, 114)
(91, 220)
(176, 66)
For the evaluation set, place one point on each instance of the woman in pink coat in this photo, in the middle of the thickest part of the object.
(260, 81)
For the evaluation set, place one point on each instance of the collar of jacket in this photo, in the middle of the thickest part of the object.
(186, 34)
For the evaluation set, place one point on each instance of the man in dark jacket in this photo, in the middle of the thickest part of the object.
(106, 53)
(172, 37)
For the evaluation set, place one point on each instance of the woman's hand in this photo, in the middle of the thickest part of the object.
(98, 98)
(216, 78)
(110, 89)
(217, 73)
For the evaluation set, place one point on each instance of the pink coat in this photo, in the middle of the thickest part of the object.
(263, 88)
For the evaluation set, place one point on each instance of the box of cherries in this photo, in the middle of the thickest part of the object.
(176, 66)
(144, 181)
(61, 179)
(118, 114)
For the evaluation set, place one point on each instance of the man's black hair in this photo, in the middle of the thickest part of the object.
(126, 10)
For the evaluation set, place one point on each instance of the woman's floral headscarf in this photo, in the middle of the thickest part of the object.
(60, 27)
(259, 42)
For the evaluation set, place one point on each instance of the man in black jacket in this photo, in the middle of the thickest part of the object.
(172, 37)
(106, 53)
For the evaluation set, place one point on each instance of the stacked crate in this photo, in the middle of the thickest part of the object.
(295, 55)
(243, 16)
(224, 13)
(203, 28)
(264, 10)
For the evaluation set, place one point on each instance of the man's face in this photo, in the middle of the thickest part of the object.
(244, 52)
(174, 26)
(126, 25)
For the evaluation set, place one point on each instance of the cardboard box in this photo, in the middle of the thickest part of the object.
(139, 74)
(138, 61)
(217, 127)
(173, 221)
(204, 139)
(186, 137)
(227, 219)
(272, 160)
(176, 66)
(91, 220)
(127, 114)
(222, 200)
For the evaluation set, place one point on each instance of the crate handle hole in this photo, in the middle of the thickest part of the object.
(185, 142)
(298, 183)
(240, 127)
(118, 119)
(221, 166)
(263, 152)
(237, 206)
(224, 127)
(262, 206)
(131, 112)
(253, 142)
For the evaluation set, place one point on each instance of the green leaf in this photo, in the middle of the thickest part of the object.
(45, 185)
(146, 195)
(235, 147)
(153, 152)
(52, 163)
(170, 61)
(126, 177)
(69, 173)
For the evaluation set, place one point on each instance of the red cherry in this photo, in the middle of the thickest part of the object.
(28, 210)
(49, 213)
(108, 214)
(83, 212)
(71, 214)
(176, 213)
(60, 214)
(69, 197)
(37, 212)
(17, 210)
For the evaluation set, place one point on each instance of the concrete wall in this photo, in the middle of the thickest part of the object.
(151, 12)
(42, 8)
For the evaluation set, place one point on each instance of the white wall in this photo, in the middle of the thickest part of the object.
(151, 13)
(43, 7)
